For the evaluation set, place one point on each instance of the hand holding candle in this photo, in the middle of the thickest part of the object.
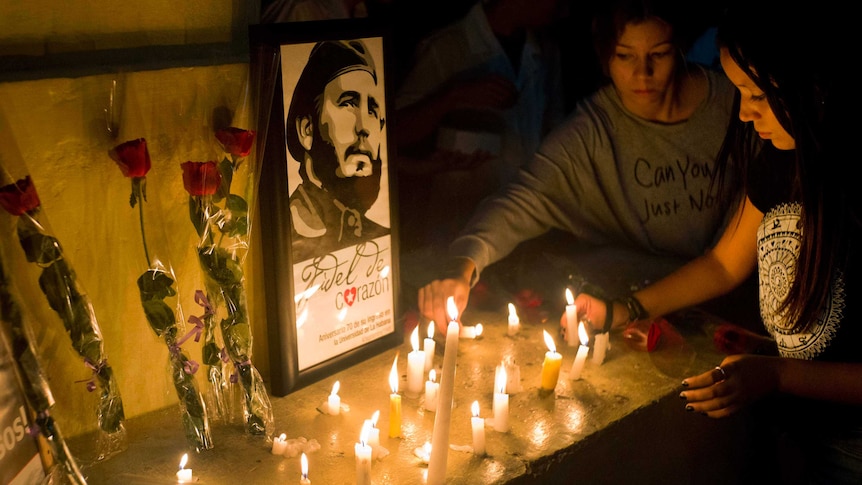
(571, 319)
(501, 401)
(334, 401)
(432, 388)
(184, 475)
(394, 402)
(551, 365)
(303, 478)
(478, 425)
(514, 321)
(583, 350)
(429, 346)
(415, 366)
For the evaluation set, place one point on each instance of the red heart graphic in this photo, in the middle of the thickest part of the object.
(350, 296)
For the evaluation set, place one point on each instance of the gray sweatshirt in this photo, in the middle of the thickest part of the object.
(611, 178)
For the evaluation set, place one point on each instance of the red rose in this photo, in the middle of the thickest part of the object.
(201, 178)
(235, 141)
(19, 197)
(132, 157)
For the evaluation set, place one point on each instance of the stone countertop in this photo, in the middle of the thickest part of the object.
(548, 433)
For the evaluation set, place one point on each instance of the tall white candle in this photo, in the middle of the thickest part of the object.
(415, 366)
(394, 402)
(184, 475)
(501, 402)
(514, 321)
(600, 347)
(279, 444)
(303, 477)
(478, 427)
(334, 400)
(429, 346)
(571, 319)
(440, 436)
(432, 388)
(363, 458)
(581, 357)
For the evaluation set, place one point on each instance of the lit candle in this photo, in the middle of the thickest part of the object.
(374, 432)
(279, 444)
(423, 452)
(429, 347)
(571, 319)
(551, 365)
(394, 402)
(501, 402)
(583, 350)
(440, 437)
(471, 331)
(335, 400)
(478, 425)
(304, 476)
(363, 458)
(431, 390)
(600, 347)
(415, 366)
(513, 373)
(514, 321)
(184, 475)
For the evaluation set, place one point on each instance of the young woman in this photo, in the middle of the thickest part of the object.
(798, 225)
(630, 169)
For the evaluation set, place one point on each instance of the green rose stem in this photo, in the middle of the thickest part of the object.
(37, 393)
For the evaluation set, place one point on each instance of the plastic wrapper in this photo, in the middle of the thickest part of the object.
(58, 282)
(158, 298)
(219, 201)
(37, 394)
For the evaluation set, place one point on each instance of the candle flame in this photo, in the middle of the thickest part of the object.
(570, 299)
(282, 437)
(304, 460)
(336, 387)
(549, 341)
(582, 333)
(512, 312)
(184, 460)
(451, 309)
(374, 418)
(414, 339)
(479, 329)
(393, 376)
(475, 409)
(500, 384)
(432, 376)
(431, 326)
(363, 435)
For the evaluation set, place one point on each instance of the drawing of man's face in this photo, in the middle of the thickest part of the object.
(351, 121)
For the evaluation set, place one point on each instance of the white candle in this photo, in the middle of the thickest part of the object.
(279, 444)
(334, 400)
(600, 347)
(184, 475)
(571, 319)
(583, 350)
(432, 388)
(423, 452)
(363, 458)
(440, 437)
(513, 373)
(373, 433)
(551, 364)
(394, 402)
(514, 321)
(415, 366)
(501, 402)
(471, 331)
(429, 346)
(478, 425)
(303, 478)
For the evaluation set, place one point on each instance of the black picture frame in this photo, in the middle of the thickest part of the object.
(327, 308)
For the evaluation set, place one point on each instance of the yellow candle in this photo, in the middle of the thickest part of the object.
(394, 403)
(551, 365)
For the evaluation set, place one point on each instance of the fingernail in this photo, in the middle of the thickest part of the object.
(684, 383)
(689, 408)
(682, 396)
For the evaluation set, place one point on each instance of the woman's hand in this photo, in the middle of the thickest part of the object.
(737, 382)
(433, 296)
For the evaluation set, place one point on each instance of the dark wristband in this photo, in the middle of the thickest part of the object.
(635, 309)
(609, 316)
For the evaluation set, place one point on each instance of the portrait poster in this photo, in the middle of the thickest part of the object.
(326, 195)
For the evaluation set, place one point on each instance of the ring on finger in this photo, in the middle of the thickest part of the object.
(722, 372)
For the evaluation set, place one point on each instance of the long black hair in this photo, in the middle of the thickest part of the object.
(788, 49)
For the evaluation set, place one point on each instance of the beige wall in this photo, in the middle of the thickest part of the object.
(57, 133)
